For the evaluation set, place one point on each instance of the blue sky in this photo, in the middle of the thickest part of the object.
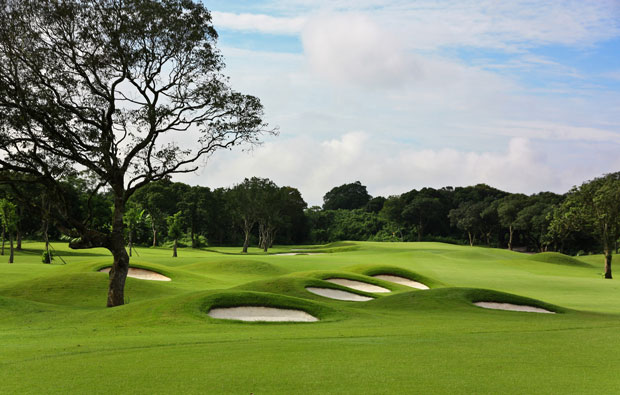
(521, 95)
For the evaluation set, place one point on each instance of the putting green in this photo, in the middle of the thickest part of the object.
(56, 336)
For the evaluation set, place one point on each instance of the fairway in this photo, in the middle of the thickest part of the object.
(57, 336)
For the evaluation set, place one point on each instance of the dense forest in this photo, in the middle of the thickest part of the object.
(259, 212)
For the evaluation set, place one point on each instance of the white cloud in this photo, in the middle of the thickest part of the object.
(429, 24)
(555, 131)
(353, 47)
(257, 23)
(314, 167)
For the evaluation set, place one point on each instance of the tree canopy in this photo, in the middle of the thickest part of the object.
(346, 196)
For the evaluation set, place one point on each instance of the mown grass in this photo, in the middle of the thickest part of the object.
(56, 336)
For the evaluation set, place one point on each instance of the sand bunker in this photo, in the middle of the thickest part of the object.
(358, 285)
(512, 307)
(142, 274)
(299, 253)
(338, 294)
(267, 314)
(401, 281)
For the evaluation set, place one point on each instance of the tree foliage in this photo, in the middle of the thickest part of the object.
(101, 86)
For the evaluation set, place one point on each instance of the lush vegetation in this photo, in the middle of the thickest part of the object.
(57, 335)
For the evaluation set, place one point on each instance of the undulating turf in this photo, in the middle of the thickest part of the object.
(56, 336)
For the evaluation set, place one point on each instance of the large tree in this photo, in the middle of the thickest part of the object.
(130, 91)
(594, 207)
(346, 196)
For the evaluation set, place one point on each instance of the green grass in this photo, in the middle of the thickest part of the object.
(56, 336)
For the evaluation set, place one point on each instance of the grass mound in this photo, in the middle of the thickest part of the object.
(241, 266)
(80, 289)
(556, 258)
(295, 286)
(339, 246)
(373, 270)
(455, 298)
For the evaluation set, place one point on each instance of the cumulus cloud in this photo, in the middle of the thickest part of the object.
(257, 23)
(353, 47)
(387, 168)
(428, 24)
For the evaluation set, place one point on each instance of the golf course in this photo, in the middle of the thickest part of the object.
(58, 336)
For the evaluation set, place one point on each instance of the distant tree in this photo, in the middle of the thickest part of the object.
(175, 230)
(244, 199)
(294, 224)
(594, 207)
(420, 210)
(507, 210)
(346, 196)
(8, 214)
(489, 220)
(533, 219)
(392, 212)
(375, 204)
(193, 204)
(133, 218)
(130, 90)
(467, 218)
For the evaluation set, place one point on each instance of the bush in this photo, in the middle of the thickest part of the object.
(47, 257)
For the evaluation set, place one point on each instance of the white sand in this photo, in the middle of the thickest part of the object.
(142, 274)
(401, 281)
(359, 285)
(270, 314)
(512, 307)
(338, 294)
(299, 253)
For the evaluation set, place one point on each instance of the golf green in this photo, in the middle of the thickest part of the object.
(57, 336)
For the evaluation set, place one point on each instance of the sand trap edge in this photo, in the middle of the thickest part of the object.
(402, 281)
(512, 307)
(338, 294)
(357, 285)
(142, 274)
(261, 314)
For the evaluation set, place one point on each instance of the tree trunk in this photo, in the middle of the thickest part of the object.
(11, 253)
(19, 240)
(48, 258)
(510, 237)
(471, 240)
(193, 235)
(120, 266)
(607, 253)
(154, 234)
(246, 242)
(174, 249)
(420, 231)
(130, 244)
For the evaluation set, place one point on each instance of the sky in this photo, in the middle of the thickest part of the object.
(400, 95)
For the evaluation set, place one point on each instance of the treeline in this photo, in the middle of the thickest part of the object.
(260, 213)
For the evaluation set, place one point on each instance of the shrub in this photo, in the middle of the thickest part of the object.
(47, 257)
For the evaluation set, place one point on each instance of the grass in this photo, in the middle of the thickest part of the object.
(56, 336)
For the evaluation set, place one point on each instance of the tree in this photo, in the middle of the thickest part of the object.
(102, 86)
(244, 199)
(194, 203)
(8, 214)
(420, 210)
(347, 196)
(594, 207)
(533, 219)
(507, 210)
(133, 218)
(467, 218)
(175, 230)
